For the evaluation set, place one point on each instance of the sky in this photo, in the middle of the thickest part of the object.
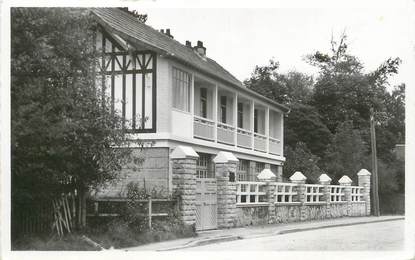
(239, 39)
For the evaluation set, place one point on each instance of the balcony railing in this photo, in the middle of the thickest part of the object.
(204, 128)
(244, 138)
(260, 142)
(274, 146)
(226, 133)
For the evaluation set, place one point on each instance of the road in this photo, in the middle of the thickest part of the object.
(374, 236)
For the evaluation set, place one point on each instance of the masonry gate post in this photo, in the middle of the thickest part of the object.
(299, 179)
(347, 182)
(325, 180)
(364, 181)
(184, 181)
(269, 177)
(226, 165)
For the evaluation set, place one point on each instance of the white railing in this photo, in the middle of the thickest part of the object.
(260, 142)
(314, 193)
(244, 138)
(286, 192)
(357, 194)
(203, 128)
(226, 133)
(337, 193)
(274, 146)
(250, 192)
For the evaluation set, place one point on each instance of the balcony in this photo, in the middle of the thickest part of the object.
(204, 128)
(244, 138)
(226, 134)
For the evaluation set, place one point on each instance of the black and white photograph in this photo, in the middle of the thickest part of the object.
(144, 129)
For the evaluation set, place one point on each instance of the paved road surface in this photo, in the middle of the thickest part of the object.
(374, 236)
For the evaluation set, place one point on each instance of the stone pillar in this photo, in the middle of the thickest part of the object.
(325, 180)
(279, 173)
(299, 179)
(364, 181)
(184, 181)
(269, 177)
(226, 165)
(346, 182)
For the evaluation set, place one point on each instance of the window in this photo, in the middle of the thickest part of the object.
(256, 120)
(240, 115)
(181, 90)
(243, 170)
(204, 166)
(203, 102)
(223, 109)
(259, 167)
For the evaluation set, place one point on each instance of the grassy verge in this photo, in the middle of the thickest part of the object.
(116, 234)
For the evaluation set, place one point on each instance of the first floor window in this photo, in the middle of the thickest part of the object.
(203, 102)
(204, 167)
(223, 109)
(181, 90)
(240, 114)
(256, 120)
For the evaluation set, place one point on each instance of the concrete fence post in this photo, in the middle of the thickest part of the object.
(299, 179)
(364, 181)
(269, 178)
(325, 180)
(226, 165)
(184, 181)
(346, 182)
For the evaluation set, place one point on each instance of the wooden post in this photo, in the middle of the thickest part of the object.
(149, 212)
(375, 193)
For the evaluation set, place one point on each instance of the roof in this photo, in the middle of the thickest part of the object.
(134, 31)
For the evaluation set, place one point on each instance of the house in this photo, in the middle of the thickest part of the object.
(175, 95)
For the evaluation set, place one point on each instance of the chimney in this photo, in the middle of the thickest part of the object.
(168, 33)
(199, 48)
(188, 44)
(162, 31)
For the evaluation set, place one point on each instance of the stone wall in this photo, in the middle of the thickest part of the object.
(254, 215)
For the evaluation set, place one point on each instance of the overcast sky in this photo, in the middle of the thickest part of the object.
(239, 39)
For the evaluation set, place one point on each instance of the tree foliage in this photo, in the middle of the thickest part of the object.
(62, 130)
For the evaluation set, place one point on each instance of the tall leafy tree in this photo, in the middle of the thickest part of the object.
(62, 131)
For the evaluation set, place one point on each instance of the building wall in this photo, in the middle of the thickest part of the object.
(152, 173)
(164, 95)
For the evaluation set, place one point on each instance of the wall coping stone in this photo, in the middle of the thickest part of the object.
(324, 178)
(345, 180)
(298, 176)
(266, 174)
(364, 172)
(183, 152)
(225, 157)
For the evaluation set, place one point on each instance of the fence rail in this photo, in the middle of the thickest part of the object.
(357, 193)
(314, 193)
(249, 192)
(286, 193)
(112, 207)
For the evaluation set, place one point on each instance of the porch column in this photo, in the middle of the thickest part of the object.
(226, 165)
(346, 182)
(269, 177)
(299, 179)
(364, 181)
(252, 124)
(184, 181)
(325, 180)
(267, 129)
(281, 137)
(215, 113)
(235, 119)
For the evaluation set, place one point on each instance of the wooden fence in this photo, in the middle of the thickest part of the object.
(112, 207)
(56, 215)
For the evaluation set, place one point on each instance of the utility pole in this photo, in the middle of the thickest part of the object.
(375, 193)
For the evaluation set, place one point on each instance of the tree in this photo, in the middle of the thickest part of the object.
(347, 153)
(301, 159)
(62, 131)
(304, 124)
(284, 88)
(343, 91)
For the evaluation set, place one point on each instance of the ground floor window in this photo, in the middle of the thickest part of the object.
(204, 166)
